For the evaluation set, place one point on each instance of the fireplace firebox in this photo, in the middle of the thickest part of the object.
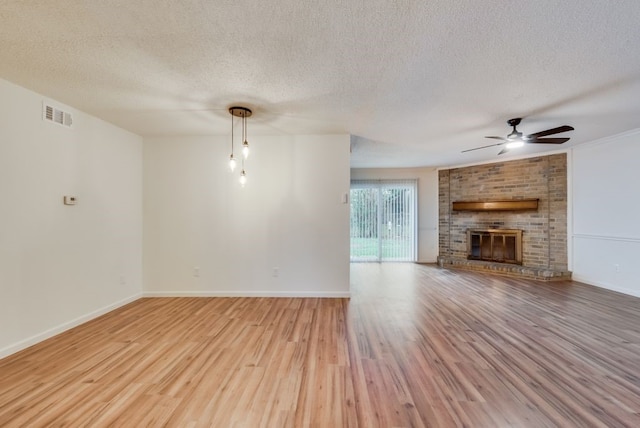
(495, 245)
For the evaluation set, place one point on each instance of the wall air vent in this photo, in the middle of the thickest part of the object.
(54, 114)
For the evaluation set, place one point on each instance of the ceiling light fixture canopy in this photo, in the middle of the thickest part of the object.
(243, 113)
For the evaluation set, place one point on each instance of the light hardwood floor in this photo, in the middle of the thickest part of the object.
(414, 346)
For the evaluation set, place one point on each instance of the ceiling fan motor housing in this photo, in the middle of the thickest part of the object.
(514, 135)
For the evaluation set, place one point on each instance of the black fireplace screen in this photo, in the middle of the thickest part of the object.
(497, 245)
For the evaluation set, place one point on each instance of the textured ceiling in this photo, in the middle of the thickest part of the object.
(415, 82)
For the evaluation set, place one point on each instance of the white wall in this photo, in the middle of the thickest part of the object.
(427, 203)
(61, 265)
(290, 216)
(604, 184)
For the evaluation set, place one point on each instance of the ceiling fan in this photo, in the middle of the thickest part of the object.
(517, 139)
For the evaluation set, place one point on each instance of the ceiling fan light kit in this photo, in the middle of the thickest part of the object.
(515, 144)
(516, 139)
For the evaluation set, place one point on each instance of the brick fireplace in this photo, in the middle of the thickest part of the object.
(467, 203)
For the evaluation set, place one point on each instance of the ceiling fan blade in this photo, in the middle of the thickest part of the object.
(548, 141)
(484, 147)
(552, 131)
(505, 150)
(497, 138)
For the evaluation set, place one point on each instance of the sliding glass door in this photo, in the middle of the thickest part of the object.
(383, 220)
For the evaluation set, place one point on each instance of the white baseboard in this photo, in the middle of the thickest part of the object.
(23, 344)
(579, 278)
(318, 294)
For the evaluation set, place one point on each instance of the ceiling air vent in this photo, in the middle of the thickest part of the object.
(56, 115)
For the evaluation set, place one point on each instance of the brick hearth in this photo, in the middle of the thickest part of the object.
(541, 274)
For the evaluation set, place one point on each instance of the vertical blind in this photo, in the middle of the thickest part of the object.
(383, 220)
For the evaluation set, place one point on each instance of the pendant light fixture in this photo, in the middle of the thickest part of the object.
(243, 113)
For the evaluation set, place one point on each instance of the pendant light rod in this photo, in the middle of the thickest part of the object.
(232, 160)
(245, 143)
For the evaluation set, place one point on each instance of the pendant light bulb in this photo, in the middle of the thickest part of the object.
(232, 163)
(245, 149)
(243, 178)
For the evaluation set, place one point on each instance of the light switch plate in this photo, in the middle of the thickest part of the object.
(69, 200)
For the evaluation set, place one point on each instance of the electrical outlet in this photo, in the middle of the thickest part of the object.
(196, 272)
(123, 281)
(276, 272)
(617, 267)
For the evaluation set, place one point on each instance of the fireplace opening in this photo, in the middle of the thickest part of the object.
(495, 245)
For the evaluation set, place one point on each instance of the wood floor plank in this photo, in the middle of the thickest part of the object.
(415, 346)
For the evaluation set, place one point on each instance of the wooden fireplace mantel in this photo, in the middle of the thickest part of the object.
(513, 205)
